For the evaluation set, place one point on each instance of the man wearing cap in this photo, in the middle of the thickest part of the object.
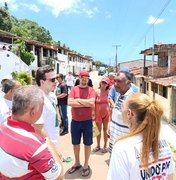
(77, 82)
(82, 101)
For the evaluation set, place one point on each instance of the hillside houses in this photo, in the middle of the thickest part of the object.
(62, 58)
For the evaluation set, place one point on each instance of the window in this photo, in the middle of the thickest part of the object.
(59, 51)
(154, 87)
(163, 91)
(163, 60)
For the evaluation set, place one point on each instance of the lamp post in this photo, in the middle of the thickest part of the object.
(116, 46)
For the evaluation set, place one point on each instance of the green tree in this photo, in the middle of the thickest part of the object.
(5, 18)
(22, 52)
(30, 30)
(98, 63)
(50, 61)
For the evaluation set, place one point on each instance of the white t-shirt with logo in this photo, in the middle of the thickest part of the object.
(125, 161)
(5, 109)
(48, 119)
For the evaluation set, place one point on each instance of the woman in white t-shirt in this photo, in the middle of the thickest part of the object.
(142, 153)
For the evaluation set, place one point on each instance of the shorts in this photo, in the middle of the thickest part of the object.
(82, 127)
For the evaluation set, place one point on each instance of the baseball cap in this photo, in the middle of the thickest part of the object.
(105, 79)
(111, 74)
(84, 73)
(125, 70)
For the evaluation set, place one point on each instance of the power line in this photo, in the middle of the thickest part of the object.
(155, 20)
(152, 24)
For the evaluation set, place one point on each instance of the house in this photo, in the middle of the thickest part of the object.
(9, 63)
(62, 58)
(159, 81)
(136, 69)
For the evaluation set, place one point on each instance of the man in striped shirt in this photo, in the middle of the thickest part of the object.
(117, 128)
(24, 153)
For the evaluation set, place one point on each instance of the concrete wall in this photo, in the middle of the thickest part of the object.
(166, 103)
(9, 62)
(62, 60)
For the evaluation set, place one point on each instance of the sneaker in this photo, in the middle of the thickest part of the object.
(63, 133)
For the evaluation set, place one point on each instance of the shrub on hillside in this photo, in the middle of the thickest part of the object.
(23, 77)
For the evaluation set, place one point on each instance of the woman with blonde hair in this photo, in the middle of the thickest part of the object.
(142, 153)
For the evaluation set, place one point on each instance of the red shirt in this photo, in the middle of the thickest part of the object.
(82, 113)
(24, 154)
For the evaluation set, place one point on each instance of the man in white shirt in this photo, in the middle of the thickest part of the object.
(8, 88)
(69, 78)
(48, 125)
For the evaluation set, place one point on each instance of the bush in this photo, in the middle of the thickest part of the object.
(23, 77)
(27, 57)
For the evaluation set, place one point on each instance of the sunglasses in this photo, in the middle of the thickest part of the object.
(52, 79)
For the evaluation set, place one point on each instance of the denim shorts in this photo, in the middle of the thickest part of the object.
(79, 128)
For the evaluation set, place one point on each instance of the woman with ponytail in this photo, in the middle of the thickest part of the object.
(142, 153)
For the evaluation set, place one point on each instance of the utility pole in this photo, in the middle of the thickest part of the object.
(116, 46)
(153, 52)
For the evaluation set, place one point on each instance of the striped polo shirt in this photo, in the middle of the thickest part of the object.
(24, 154)
(117, 126)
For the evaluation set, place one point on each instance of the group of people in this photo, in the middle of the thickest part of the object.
(38, 116)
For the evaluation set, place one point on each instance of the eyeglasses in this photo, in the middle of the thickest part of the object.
(52, 79)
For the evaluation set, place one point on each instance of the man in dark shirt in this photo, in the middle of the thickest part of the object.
(62, 96)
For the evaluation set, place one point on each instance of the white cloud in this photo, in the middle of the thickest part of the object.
(14, 6)
(108, 15)
(2, 1)
(69, 6)
(57, 6)
(154, 20)
(34, 7)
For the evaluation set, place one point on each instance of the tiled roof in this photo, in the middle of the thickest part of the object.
(167, 81)
(135, 64)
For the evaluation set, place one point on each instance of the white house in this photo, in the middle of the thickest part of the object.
(9, 63)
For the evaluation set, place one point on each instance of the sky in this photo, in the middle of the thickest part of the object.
(97, 27)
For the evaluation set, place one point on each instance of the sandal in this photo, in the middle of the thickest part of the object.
(73, 169)
(104, 150)
(86, 171)
(96, 149)
(67, 159)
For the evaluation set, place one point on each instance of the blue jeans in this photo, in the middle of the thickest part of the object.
(64, 117)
